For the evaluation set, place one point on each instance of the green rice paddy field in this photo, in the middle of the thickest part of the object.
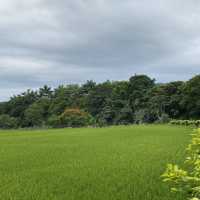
(115, 163)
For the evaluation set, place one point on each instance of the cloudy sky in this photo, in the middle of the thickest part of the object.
(71, 41)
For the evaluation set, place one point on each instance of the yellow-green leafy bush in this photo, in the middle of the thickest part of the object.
(187, 181)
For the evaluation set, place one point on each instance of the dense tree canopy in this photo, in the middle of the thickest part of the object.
(138, 100)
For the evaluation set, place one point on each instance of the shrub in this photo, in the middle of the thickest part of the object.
(54, 121)
(187, 181)
(7, 122)
(186, 122)
(164, 118)
(72, 117)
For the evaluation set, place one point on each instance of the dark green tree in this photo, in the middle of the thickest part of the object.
(191, 98)
(7, 122)
(138, 88)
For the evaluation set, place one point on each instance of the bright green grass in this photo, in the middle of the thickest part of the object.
(89, 164)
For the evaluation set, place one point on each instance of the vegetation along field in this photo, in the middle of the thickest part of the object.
(122, 162)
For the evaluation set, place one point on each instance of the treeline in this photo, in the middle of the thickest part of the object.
(138, 100)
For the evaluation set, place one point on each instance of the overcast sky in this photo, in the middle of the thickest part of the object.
(71, 41)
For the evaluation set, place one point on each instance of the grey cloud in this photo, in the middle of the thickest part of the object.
(66, 41)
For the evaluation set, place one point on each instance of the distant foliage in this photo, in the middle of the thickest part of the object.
(7, 122)
(137, 100)
(75, 118)
(164, 118)
(72, 117)
(186, 122)
(186, 181)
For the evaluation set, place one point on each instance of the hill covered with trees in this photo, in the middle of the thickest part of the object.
(138, 100)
